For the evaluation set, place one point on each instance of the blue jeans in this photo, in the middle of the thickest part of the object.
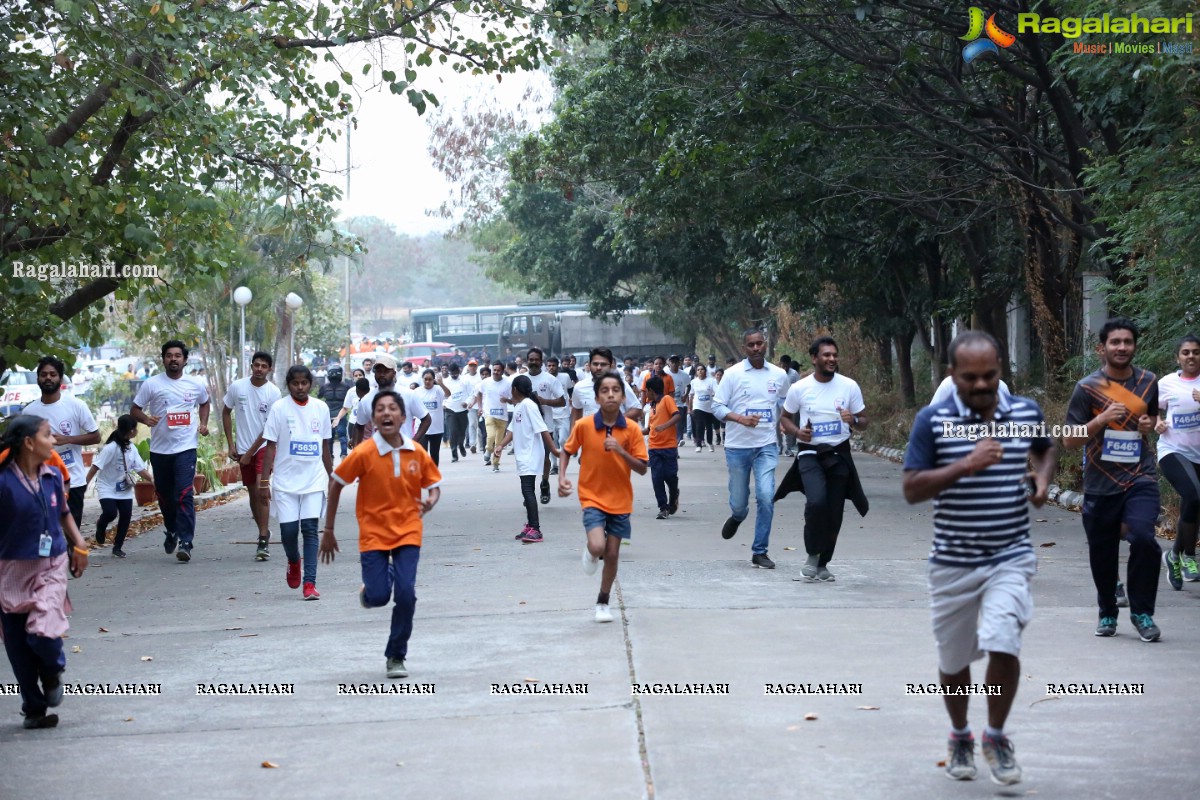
(339, 435)
(173, 476)
(393, 572)
(664, 476)
(761, 460)
(290, 532)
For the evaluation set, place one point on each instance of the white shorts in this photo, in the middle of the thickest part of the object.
(290, 507)
(979, 610)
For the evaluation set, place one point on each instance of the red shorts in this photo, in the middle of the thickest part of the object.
(251, 471)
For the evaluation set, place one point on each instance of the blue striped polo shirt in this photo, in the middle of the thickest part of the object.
(982, 518)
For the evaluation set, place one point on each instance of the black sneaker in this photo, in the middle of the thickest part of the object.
(1145, 627)
(184, 554)
(263, 552)
(663, 514)
(730, 528)
(761, 561)
(118, 553)
(554, 470)
(44, 721)
(169, 542)
(673, 506)
(1122, 598)
(545, 487)
(1107, 626)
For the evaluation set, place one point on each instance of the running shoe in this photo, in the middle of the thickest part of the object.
(362, 596)
(1001, 757)
(1107, 626)
(960, 758)
(169, 542)
(730, 528)
(293, 574)
(1174, 569)
(602, 613)
(42, 721)
(496, 468)
(590, 562)
(532, 536)
(699, 448)
(711, 449)
(825, 575)
(810, 568)
(554, 470)
(487, 462)
(663, 514)
(526, 529)
(118, 553)
(761, 561)
(1146, 628)
(100, 537)
(310, 592)
(263, 552)
(545, 488)
(1122, 598)
(473, 450)
(679, 445)
(1190, 573)
(183, 554)
(454, 458)
(673, 506)
(396, 668)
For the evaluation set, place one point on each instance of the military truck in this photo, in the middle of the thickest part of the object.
(562, 332)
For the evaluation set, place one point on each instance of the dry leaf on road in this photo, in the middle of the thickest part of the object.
(147, 658)
(76, 649)
(868, 708)
(810, 716)
(270, 765)
(1047, 544)
(104, 630)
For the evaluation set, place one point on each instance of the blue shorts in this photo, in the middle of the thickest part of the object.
(614, 524)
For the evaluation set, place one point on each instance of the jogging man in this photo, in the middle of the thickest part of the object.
(982, 559)
(253, 398)
(72, 424)
(172, 400)
(1119, 404)
(748, 400)
(385, 380)
(561, 427)
(831, 407)
(583, 399)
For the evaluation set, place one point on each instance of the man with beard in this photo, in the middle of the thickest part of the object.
(583, 400)
(385, 381)
(970, 455)
(1118, 403)
(831, 408)
(72, 424)
(172, 398)
(252, 398)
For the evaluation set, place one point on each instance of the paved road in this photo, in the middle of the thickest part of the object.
(692, 610)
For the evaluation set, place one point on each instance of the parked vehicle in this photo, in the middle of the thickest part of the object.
(20, 388)
(559, 333)
(424, 354)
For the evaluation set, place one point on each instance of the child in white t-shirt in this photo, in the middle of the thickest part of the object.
(115, 468)
(530, 439)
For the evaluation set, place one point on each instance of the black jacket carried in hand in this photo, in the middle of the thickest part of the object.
(793, 482)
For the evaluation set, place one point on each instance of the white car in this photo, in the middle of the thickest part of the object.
(20, 388)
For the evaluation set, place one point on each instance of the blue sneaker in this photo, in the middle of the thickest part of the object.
(1145, 627)
(1107, 626)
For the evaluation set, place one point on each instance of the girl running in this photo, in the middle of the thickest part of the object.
(1178, 426)
(300, 460)
(700, 402)
(531, 440)
(115, 469)
(614, 448)
(433, 395)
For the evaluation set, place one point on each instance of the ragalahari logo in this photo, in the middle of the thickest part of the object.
(978, 27)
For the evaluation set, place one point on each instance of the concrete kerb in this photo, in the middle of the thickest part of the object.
(145, 517)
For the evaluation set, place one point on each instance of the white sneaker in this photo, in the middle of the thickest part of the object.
(680, 444)
(590, 562)
(711, 449)
(699, 448)
(602, 613)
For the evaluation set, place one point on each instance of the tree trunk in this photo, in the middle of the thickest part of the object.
(904, 360)
(884, 347)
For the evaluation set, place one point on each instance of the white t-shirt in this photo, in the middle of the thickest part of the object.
(547, 387)
(251, 404)
(1182, 416)
(494, 392)
(414, 412)
(584, 397)
(112, 482)
(682, 381)
(460, 394)
(408, 381)
(298, 431)
(820, 402)
(564, 412)
(174, 402)
(703, 390)
(945, 391)
(434, 402)
(69, 416)
(472, 384)
(528, 448)
(752, 392)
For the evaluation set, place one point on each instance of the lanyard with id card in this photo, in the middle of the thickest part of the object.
(45, 541)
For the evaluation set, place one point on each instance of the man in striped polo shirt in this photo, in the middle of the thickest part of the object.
(969, 454)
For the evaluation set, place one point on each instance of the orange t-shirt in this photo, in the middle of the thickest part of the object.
(603, 476)
(668, 384)
(664, 409)
(389, 488)
(55, 460)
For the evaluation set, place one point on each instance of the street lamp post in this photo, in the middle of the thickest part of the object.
(242, 296)
(294, 301)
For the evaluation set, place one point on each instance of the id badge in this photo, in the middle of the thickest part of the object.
(44, 544)
(1122, 447)
(122, 486)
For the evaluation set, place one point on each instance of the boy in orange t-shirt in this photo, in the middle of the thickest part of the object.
(664, 454)
(614, 448)
(392, 472)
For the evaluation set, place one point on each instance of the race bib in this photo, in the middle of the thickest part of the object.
(1185, 421)
(304, 449)
(431, 405)
(827, 430)
(1122, 447)
(68, 457)
(497, 412)
(122, 486)
(704, 398)
(763, 414)
(179, 419)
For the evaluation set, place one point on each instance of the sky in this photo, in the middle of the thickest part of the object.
(392, 175)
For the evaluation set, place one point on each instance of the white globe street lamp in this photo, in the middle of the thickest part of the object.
(242, 296)
(293, 301)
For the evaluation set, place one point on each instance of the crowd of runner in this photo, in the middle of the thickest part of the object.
(388, 425)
